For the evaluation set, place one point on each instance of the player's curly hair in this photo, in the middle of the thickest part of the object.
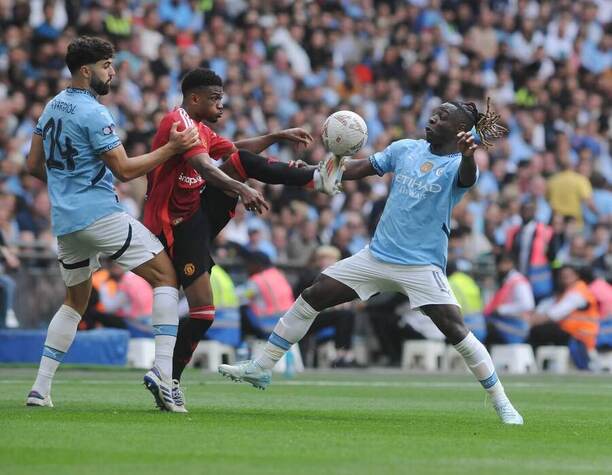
(198, 78)
(487, 125)
(87, 50)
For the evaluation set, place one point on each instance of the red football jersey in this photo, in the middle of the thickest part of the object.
(173, 189)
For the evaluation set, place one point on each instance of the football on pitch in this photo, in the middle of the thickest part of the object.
(344, 133)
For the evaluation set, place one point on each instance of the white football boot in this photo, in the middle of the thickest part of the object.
(178, 396)
(35, 399)
(247, 371)
(506, 412)
(328, 176)
(161, 389)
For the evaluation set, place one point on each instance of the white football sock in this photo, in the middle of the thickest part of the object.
(165, 326)
(61, 332)
(479, 361)
(290, 329)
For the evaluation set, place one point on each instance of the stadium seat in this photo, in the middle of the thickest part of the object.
(453, 361)
(516, 358)
(604, 361)
(423, 355)
(141, 353)
(326, 354)
(553, 359)
(210, 354)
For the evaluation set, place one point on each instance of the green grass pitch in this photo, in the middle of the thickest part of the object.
(317, 423)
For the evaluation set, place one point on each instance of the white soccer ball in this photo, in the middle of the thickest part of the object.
(344, 133)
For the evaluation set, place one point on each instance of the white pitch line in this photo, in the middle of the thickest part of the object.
(365, 384)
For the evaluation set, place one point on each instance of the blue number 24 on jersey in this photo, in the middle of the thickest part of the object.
(76, 129)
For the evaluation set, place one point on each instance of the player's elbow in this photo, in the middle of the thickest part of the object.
(122, 175)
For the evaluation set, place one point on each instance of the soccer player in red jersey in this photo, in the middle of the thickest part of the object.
(186, 220)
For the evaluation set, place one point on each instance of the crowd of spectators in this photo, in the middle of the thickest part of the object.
(547, 66)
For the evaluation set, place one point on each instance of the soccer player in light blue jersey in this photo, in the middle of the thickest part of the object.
(409, 249)
(76, 150)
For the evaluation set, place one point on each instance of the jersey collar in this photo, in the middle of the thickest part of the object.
(78, 90)
(450, 155)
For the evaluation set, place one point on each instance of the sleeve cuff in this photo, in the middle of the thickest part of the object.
(108, 147)
(375, 166)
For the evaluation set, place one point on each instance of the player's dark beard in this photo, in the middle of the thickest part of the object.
(101, 88)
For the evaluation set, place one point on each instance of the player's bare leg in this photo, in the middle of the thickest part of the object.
(60, 335)
(324, 293)
(159, 273)
(450, 322)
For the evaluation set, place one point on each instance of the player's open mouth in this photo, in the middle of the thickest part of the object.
(429, 130)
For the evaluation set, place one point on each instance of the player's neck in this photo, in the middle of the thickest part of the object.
(82, 84)
(443, 148)
(190, 112)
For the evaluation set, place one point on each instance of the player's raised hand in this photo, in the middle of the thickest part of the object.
(466, 144)
(296, 135)
(253, 200)
(182, 141)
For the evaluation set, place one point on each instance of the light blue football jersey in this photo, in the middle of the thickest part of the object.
(76, 129)
(415, 225)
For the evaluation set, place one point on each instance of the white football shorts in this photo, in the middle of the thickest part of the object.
(367, 276)
(117, 236)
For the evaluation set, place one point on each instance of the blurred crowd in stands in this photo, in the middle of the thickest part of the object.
(543, 196)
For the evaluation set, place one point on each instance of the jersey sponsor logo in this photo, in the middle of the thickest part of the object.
(190, 180)
(426, 167)
(414, 187)
(440, 172)
(189, 269)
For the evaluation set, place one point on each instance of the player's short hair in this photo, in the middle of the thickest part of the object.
(487, 125)
(87, 50)
(199, 78)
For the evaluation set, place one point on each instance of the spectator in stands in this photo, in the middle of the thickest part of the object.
(569, 190)
(119, 299)
(527, 244)
(265, 297)
(467, 292)
(340, 320)
(226, 328)
(572, 317)
(8, 262)
(507, 312)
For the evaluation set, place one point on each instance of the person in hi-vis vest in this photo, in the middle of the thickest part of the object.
(467, 292)
(572, 317)
(507, 312)
(265, 297)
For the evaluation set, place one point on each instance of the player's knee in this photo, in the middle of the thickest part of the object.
(78, 304)
(314, 296)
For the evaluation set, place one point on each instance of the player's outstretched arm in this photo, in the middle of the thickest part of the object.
(357, 169)
(259, 144)
(252, 199)
(126, 169)
(36, 159)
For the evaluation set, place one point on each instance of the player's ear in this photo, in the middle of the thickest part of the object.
(85, 71)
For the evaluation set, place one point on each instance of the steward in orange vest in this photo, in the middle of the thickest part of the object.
(572, 318)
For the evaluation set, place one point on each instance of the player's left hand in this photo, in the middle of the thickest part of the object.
(296, 135)
(466, 144)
